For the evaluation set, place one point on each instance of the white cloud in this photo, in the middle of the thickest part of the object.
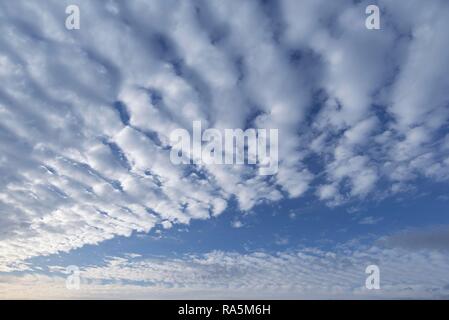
(303, 273)
(85, 115)
(370, 220)
(237, 224)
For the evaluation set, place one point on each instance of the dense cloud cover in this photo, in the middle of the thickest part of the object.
(85, 115)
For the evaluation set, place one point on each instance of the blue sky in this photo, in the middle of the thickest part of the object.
(86, 177)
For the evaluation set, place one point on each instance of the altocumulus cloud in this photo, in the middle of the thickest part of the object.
(299, 273)
(85, 115)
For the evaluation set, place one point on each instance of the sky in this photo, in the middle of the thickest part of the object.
(87, 182)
